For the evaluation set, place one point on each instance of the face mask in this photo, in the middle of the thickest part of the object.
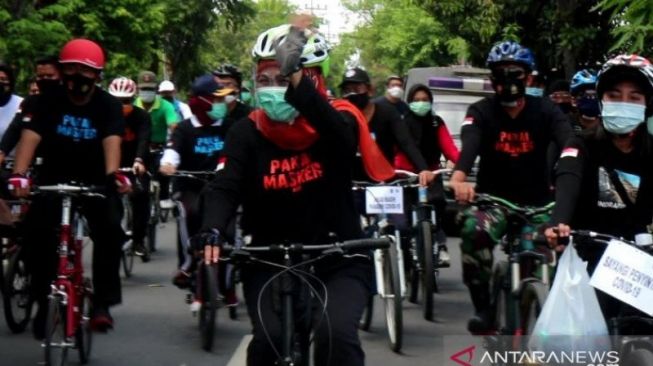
(147, 96)
(620, 118)
(245, 97)
(588, 107)
(420, 108)
(512, 89)
(360, 100)
(230, 99)
(534, 92)
(47, 86)
(78, 85)
(396, 92)
(127, 109)
(273, 102)
(649, 125)
(218, 111)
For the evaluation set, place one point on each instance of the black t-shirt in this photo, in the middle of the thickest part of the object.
(239, 112)
(287, 195)
(402, 108)
(424, 131)
(71, 136)
(136, 141)
(587, 194)
(513, 152)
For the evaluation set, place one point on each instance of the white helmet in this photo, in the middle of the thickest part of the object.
(166, 86)
(122, 87)
(315, 53)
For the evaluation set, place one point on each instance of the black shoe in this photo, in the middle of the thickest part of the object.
(101, 320)
(481, 324)
(140, 250)
(38, 323)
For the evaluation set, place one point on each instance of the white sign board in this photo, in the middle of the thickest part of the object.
(626, 273)
(384, 199)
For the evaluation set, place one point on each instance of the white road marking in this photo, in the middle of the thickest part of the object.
(239, 357)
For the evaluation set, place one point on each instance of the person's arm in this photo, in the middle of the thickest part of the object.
(111, 146)
(405, 142)
(568, 178)
(222, 196)
(470, 135)
(172, 154)
(447, 146)
(143, 136)
(29, 140)
(171, 116)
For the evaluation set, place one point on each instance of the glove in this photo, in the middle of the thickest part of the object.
(289, 51)
(19, 181)
(211, 237)
(119, 181)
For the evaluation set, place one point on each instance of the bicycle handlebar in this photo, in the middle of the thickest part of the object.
(407, 182)
(483, 198)
(69, 189)
(339, 247)
(599, 237)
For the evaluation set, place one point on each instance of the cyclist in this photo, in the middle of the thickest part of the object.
(9, 102)
(559, 94)
(195, 145)
(78, 128)
(168, 92)
(134, 153)
(229, 76)
(289, 164)
(394, 85)
(48, 80)
(385, 123)
(583, 99)
(511, 132)
(432, 137)
(536, 87)
(163, 119)
(604, 178)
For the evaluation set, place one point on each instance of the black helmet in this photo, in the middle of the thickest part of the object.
(229, 70)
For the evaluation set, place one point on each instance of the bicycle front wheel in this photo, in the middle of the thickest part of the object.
(393, 306)
(56, 342)
(639, 357)
(428, 271)
(208, 290)
(16, 293)
(83, 335)
(532, 299)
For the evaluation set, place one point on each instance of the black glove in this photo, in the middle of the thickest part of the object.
(289, 51)
(211, 237)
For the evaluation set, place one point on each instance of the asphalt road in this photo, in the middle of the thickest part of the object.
(154, 326)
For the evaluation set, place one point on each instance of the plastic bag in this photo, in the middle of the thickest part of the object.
(571, 318)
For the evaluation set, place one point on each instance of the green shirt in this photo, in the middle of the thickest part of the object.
(163, 116)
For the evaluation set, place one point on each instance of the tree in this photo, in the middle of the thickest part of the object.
(633, 24)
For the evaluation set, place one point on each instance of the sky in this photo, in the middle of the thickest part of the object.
(337, 19)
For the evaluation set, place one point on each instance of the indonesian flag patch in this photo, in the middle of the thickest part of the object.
(569, 152)
(467, 121)
(221, 162)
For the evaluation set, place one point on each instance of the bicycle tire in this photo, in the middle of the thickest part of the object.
(128, 262)
(16, 291)
(84, 335)
(127, 226)
(413, 296)
(428, 269)
(209, 296)
(639, 357)
(151, 237)
(502, 304)
(55, 332)
(366, 320)
(393, 307)
(531, 300)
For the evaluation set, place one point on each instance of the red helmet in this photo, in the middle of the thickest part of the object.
(82, 51)
(122, 88)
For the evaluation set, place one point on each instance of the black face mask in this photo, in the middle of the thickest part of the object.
(360, 100)
(5, 93)
(512, 89)
(47, 86)
(78, 85)
(565, 107)
(588, 107)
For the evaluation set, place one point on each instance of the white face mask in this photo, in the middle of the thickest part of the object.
(229, 99)
(396, 92)
(147, 96)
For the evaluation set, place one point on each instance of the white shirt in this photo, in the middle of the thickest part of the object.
(184, 109)
(8, 111)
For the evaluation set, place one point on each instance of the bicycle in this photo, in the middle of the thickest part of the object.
(520, 285)
(127, 224)
(14, 277)
(70, 301)
(633, 350)
(291, 352)
(424, 250)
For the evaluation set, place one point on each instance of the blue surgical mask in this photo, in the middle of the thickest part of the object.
(218, 111)
(620, 118)
(273, 102)
(534, 92)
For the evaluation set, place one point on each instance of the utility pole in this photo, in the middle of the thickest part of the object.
(320, 10)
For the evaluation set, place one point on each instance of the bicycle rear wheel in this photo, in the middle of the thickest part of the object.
(428, 270)
(639, 357)
(84, 335)
(532, 299)
(393, 307)
(56, 342)
(16, 293)
(209, 297)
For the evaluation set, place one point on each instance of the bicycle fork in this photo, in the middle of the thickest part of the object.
(379, 258)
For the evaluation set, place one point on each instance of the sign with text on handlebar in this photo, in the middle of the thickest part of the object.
(384, 200)
(626, 273)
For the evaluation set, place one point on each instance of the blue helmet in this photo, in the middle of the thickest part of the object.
(509, 51)
(583, 79)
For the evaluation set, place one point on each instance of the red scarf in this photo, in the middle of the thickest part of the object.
(296, 136)
(375, 164)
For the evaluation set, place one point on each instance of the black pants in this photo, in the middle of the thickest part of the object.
(348, 287)
(41, 240)
(140, 201)
(190, 200)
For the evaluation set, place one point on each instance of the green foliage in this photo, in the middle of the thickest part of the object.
(633, 21)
